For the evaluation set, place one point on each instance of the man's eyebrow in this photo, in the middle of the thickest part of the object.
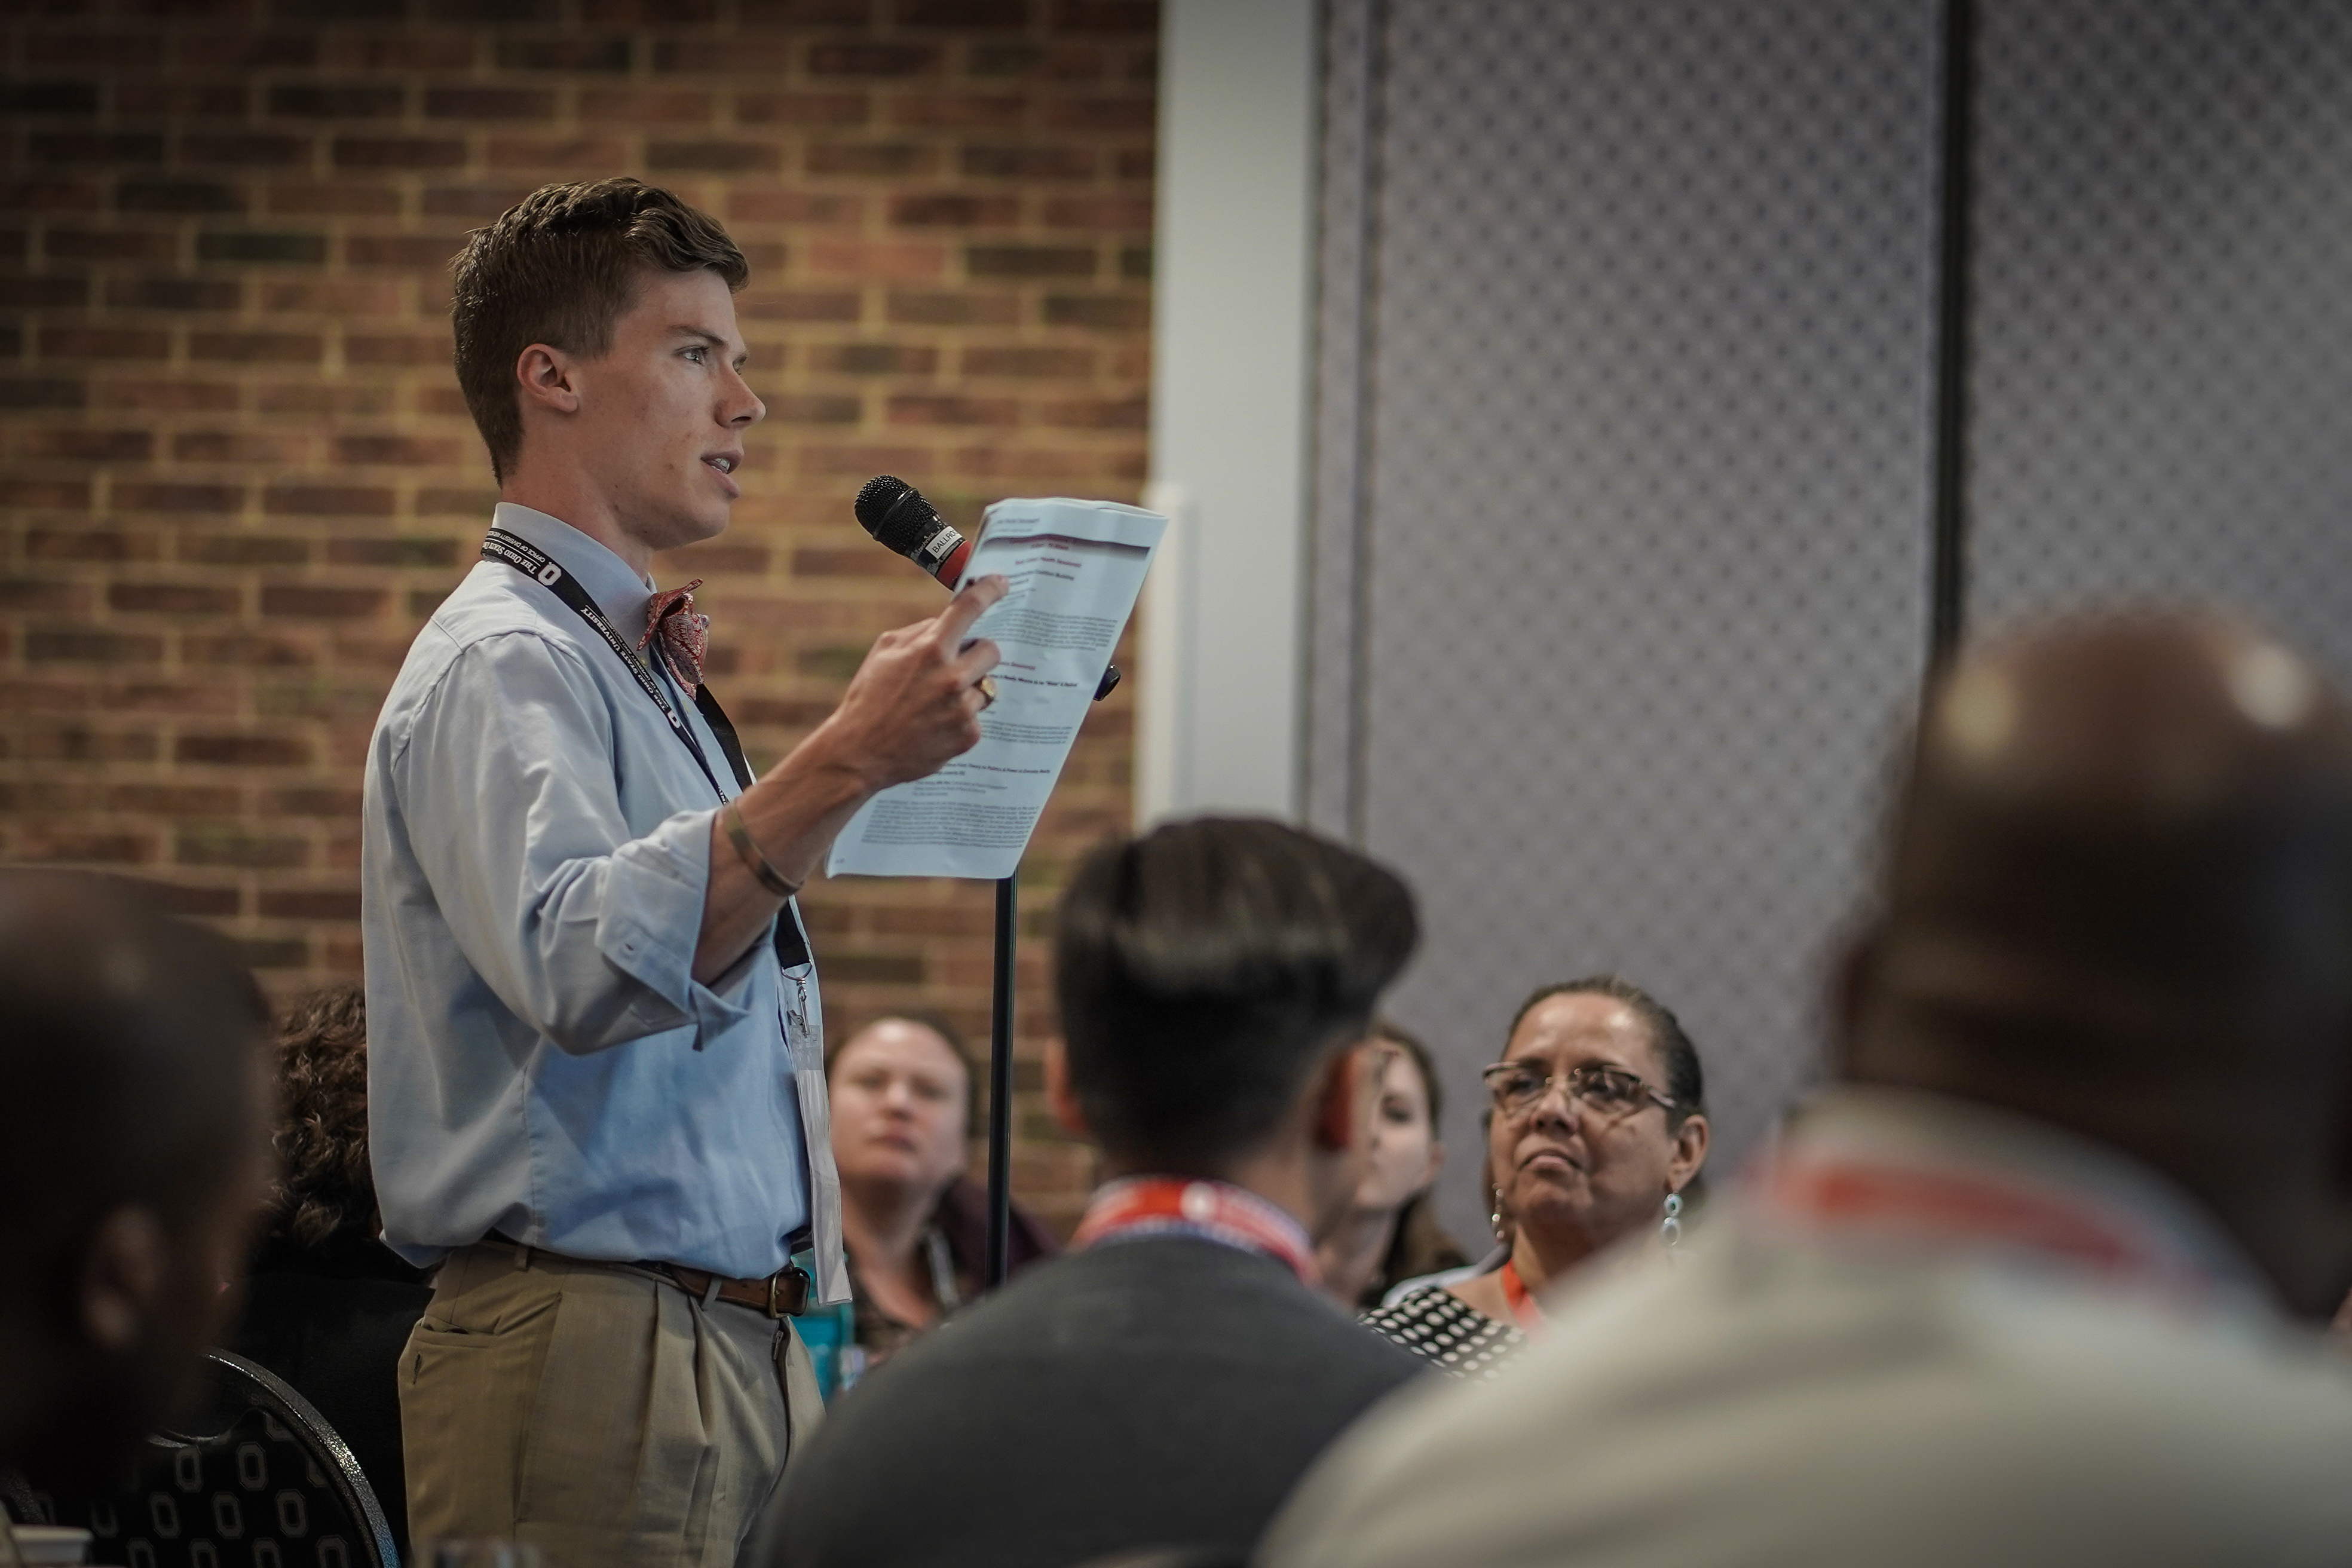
(715, 339)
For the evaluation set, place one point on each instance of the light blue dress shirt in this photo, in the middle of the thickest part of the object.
(542, 1063)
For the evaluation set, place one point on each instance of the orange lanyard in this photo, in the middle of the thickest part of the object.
(1523, 1306)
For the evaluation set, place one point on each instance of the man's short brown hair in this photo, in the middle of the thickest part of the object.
(559, 268)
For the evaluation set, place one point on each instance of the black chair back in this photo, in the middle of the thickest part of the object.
(254, 1478)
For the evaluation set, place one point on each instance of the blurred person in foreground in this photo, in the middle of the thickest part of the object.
(328, 1306)
(1167, 1384)
(2037, 1282)
(1391, 1233)
(915, 1227)
(132, 1164)
(1598, 1127)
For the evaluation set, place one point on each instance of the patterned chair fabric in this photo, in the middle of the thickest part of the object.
(259, 1480)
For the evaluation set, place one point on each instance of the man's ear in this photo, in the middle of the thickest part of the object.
(545, 376)
(1068, 1114)
(1338, 1118)
(125, 1270)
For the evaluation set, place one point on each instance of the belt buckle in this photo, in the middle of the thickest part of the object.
(788, 1289)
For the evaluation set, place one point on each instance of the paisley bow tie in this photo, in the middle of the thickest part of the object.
(682, 635)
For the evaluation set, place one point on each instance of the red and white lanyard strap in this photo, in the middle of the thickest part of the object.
(1142, 1207)
(1950, 1204)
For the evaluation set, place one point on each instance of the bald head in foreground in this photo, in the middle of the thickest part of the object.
(132, 1163)
(2024, 1286)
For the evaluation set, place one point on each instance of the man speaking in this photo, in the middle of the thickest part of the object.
(596, 1085)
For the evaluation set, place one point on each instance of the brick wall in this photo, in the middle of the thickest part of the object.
(238, 474)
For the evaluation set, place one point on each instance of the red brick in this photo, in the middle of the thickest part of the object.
(417, 350)
(47, 495)
(171, 599)
(230, 846)
(270, 348)
(407, 451)
(104, 342)
(312, 602)
(46, 843)
(800, 109)
(954, 209)
(1129, 214)
(190, 100)
(963, 111)
(179, 497)
(312, 903)
(961, 308)
(1097, 414)
(398, 152)
(100, 244)
(406, 251)
(52, 196)
(602, 107)
(871, 159)
(800, 305)
(488, 104)
(343, 197)
(870, 259)
(918, 408)
(242, 751)
(89, 644)
(559, 154)
(91, 446)
(174, 294)
(1071, 364)
(872, 59)
(874, 359)
(791, 205)
(1103, 312)
(205, 395)
(245, 150)
(712, 157)
(1101, 113)
(1027, 162)
(326, 500)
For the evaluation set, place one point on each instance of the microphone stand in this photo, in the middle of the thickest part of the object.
(1000, 1065)
(1000, 1086)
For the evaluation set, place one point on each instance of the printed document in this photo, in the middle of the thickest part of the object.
(1075, 567)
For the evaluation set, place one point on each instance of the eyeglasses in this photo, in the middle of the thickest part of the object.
(1605, 1091)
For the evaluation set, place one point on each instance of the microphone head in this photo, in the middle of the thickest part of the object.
(897, 515)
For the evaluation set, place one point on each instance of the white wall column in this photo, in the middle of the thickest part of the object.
(1219, 705)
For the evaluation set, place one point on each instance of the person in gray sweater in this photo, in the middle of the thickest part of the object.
(1165, 1385)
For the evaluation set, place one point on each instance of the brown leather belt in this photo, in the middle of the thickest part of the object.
(783, 1294)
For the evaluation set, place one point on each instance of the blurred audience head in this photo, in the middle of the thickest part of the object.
(2119, 898)
(1215, 977)
(1392, 1233)
(324, 1197)
(131, 1168)
(1598, 1115)
(902, 1107)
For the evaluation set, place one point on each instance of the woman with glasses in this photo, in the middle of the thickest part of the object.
(1597, 1126)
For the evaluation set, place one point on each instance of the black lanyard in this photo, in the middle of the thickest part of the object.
(791, 946)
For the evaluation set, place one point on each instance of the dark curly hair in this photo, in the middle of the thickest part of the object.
(324, 1196)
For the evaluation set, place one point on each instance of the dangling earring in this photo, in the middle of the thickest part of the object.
(1496, 1220)
(1670, 1229)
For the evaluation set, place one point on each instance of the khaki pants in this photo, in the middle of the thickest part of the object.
(601, 1413)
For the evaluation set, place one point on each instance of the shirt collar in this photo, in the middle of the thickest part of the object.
(620, 592)
(1911, 1160)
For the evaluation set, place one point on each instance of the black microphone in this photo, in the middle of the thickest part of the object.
(904, 524)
